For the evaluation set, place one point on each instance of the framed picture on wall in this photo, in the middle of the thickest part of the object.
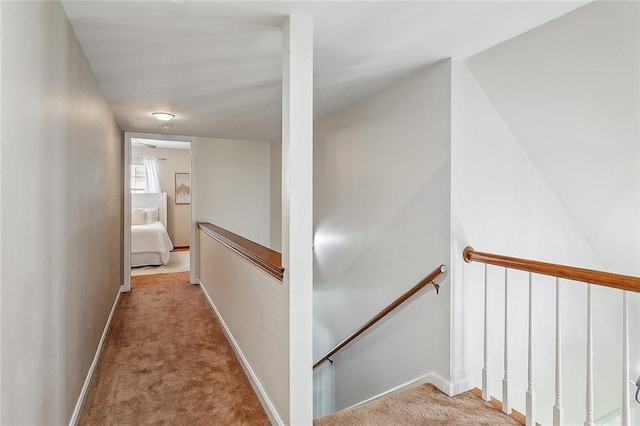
(183, 188)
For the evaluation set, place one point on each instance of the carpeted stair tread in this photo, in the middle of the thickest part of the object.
(421, 405)
(167, 361)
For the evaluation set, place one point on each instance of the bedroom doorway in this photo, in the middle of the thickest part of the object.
(159, 212)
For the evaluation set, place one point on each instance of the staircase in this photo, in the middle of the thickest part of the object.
(421, 405)
(427, 405)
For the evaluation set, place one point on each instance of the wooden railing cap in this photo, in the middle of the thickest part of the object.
(589, 276)
(265, 258)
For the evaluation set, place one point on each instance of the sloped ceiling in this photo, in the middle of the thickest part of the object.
(217, 65)
(570, 97)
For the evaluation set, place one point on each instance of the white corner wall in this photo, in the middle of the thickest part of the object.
(546, 165)
(297, 209)
(276, 196)
(382, 189)
(61, 212)
(569, 92)
(234, 186)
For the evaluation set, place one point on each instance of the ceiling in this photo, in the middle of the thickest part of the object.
(217, 65)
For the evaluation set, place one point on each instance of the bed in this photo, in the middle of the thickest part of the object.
(150, 242)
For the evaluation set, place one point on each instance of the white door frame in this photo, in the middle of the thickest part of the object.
(193, 278)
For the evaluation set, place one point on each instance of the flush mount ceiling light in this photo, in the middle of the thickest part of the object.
(164, 116)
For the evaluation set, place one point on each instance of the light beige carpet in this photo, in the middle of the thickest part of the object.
(178, 262)
(422, 405)
(166, 361)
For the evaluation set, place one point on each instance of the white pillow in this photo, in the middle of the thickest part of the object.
(138, 217)
(151, 215)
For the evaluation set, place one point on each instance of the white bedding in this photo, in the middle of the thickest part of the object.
(151, 238)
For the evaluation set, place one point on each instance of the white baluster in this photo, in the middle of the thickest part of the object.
(626, 410)
(558, 410)
(506, 403)
(485, 367)
(589, 419)
(531, 395)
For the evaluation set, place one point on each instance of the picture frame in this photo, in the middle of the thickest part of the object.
(183, 188)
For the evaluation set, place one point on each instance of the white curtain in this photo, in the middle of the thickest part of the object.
(152, 183)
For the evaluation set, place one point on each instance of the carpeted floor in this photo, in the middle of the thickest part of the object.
(422, 405)
(166, 361)
(178, 262)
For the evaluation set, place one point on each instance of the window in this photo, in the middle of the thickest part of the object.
(138, 178)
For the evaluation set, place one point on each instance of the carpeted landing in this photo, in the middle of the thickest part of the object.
(166, 361)
(422, 405)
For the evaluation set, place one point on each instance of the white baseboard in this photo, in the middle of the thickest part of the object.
(268, 406)
(87, 381)
(433, 378)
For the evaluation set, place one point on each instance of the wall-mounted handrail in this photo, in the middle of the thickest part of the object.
(606, 279)
(399, 301)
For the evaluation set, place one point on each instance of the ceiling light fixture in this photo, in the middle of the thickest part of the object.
(164, 116)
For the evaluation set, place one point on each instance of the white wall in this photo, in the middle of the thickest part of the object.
(569, 93)
(276, 195)
(254, 308)
(61, 213)
(175, 161)
(234, 186)
(382, 188)
(545, 165)
(1, 223)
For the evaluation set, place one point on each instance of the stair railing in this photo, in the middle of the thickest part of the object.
(587, 276)
(429, 279)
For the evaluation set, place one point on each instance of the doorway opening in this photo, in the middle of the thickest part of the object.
(159, 207)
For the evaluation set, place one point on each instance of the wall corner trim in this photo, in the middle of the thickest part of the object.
(268, 406)
(87, 381)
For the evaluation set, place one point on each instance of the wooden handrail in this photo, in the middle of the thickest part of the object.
(399, 301)
(606, 279)
(268, 260)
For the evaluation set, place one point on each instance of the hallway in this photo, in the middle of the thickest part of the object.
(166, 360)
